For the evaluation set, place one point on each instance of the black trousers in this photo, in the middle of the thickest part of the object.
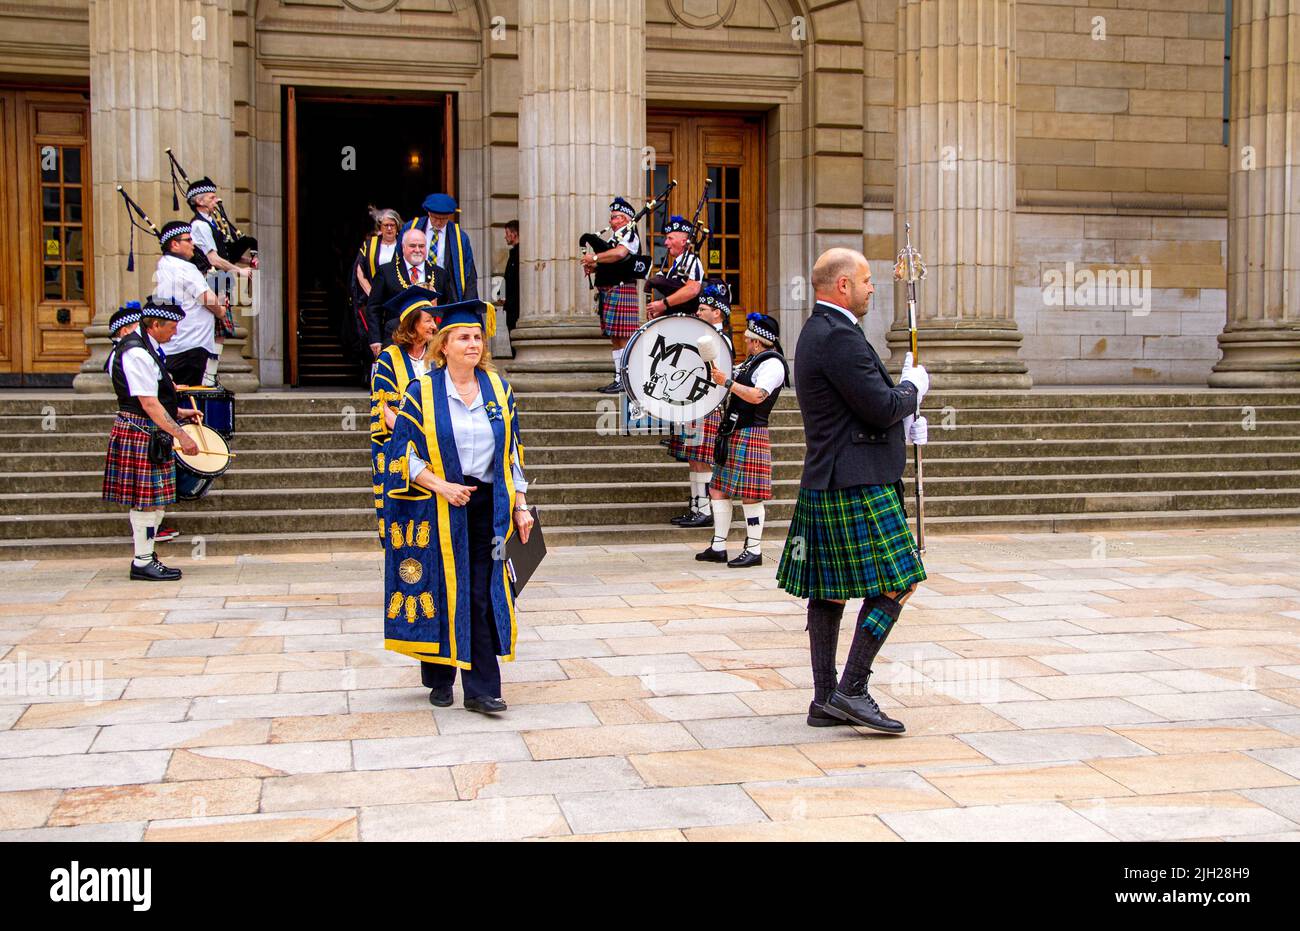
(484, 679)
(187, 368)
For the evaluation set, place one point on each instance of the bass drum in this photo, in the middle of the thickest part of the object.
(664, 375)
(195, 474)
(216, 404)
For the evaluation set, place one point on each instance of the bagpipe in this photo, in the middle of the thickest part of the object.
(630, 269)
(667, 284)
(140, 221)
(231, 243)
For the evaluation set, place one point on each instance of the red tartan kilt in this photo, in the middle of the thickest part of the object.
(618, 311)
(702, 451)
(129, 477)
(748, 471)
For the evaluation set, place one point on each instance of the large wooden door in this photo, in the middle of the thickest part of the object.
(46, 279)
(727, 149)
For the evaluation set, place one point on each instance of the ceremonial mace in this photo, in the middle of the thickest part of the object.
(909, 267)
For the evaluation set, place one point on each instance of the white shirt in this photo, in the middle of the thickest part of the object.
(769, 375)
(141, 370)
(475, 441)
(687, 267)
(201, 231)
(844, 310)
(386, 250)
(629, 237)
(179, 281)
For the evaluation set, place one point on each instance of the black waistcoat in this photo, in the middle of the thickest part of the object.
(125, 400)
(745, 413)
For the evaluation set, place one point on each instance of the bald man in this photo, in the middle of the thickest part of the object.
(849, 536)
(410, 266)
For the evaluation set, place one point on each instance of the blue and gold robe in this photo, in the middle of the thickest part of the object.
(426, 565)
(394, 370)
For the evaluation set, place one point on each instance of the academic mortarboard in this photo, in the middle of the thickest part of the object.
(470, 313)
(412, 299)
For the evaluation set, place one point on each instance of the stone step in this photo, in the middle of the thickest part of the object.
(32, 401)
(960, 494)
(549, 429)
(84, 460)
(317, 541)
(1190, 471)
(205, 520)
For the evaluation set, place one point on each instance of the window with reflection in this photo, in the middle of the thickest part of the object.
(63, 254)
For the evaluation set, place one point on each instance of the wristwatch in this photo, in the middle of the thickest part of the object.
(728, 383)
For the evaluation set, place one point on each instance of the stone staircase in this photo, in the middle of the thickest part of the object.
(1002, 462)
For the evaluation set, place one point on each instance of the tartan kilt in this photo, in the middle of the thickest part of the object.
(693, 441)
(848, 543)
(748, 471)
(129, 477)
(618, 311)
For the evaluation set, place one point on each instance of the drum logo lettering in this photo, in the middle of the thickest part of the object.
(672, 380)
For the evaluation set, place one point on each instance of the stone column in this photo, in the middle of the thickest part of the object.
(1261, 337)
(956, 184)
(159, 78)
(581, 130)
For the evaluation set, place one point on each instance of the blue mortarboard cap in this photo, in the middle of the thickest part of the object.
(412, 299)
(439, 203)
(470, 313)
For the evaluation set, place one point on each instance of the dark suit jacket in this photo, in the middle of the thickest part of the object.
(852, 411)
(512, 287)
(385, 287)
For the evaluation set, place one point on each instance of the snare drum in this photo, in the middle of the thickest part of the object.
(195, 474)
(216, 404)
(663, 373)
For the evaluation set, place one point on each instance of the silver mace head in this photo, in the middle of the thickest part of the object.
(908, 266)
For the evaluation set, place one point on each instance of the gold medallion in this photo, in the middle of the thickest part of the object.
(410, 570)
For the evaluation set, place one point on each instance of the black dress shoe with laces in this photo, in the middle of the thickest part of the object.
(746, 559)
(857, 707)
(154, 572)
(712, 555)
(440, 698)
(681, 517)
(818, 717)
(698, 519)
(485, 705)
(613, 387)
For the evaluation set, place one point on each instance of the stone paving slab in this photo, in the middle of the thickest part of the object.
(1151, 695)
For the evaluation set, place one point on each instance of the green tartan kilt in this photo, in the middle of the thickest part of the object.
(848, 543)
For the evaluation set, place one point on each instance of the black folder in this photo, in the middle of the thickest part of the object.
(522, 559)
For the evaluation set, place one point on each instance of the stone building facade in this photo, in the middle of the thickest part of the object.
(1090, 210)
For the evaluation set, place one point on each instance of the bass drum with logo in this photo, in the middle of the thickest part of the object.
(195, 474)
(665, 376)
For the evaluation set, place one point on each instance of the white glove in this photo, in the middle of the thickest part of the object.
(917, 431)
(916, 375)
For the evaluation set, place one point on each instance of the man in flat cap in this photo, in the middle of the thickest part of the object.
(449, 247)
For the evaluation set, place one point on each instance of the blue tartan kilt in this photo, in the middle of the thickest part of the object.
(618, 311)
(848, 543)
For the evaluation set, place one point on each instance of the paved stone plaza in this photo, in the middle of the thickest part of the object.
(1137, 686)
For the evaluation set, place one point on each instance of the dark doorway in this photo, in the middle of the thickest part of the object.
(343, 154)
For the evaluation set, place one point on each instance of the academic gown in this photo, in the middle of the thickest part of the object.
(394, 370)
(457, 260)
(426, 566)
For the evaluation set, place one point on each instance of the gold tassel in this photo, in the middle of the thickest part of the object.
(410, 609)
(422, 535)
(490, 320)
(426, 602)
(410, 532)
(395, 605)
